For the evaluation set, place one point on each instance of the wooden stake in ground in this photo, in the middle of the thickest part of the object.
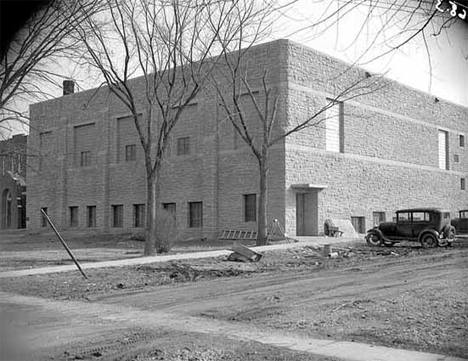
(63, 243)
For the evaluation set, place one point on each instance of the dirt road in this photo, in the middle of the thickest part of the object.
(417, 302)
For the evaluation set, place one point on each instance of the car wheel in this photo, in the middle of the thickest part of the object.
(374, 239)
(452, 234)
(428, 240)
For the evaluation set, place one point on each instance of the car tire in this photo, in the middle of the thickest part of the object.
(374, 239)
(452, 234)
(428, 240)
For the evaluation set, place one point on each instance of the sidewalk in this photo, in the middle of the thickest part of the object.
(94, 315)
(303, 241)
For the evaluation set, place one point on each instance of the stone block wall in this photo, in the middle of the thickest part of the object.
(390, 157)
(218, 170)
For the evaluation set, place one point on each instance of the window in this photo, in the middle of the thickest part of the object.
(130, 152)
(85, 144)
(117, 215)
(168, 150)
(195, 215)
(91, 216)
(456, 158)
(5, 208)
(462, 140)
(73, 212)
(463, 184)
(334, 141)
(171, 208)
(421, 217)
(85, 159)
(250, 207)
(359, 224)
(139, 215)
(403, 217)
(378, 217)
(45, 147)
(443, 150)
(183, 146)
(127, 139)
(44, 219)
(237, 140)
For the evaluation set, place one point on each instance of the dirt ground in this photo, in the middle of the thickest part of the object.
(402, 297)
(22, 249)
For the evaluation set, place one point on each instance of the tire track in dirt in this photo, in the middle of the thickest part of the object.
(119, 318)
(372, 279)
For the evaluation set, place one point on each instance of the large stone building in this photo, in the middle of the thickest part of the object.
(13, 182)
(391, 148)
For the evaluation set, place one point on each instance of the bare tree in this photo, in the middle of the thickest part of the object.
(387, 27)
(29, 60)
(374, 29)
(173, 46)
(253, 112)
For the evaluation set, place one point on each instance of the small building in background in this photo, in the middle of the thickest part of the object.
(13, 182)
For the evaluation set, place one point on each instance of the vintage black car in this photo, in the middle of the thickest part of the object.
(461, 223)
(429, 226)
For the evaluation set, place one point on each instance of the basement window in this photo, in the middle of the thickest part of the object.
(171, 208)
(117, 215)
(359, 224)
(195, 216)
(73, 213)
(139, 215)
(378, 217)
(44, 219)
(91, 216)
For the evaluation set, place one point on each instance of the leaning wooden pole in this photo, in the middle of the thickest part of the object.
(63, 243)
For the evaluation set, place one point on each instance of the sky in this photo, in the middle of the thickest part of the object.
(433, 64)
(440, 68)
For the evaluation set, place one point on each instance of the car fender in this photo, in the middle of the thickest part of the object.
(426, 231)
(376, 230)
(379, 232)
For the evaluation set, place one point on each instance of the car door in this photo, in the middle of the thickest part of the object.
(403, 226)
(420, 221)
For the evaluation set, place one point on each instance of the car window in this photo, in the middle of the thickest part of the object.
(421, 217)
(403, 217)
(464, 214)
(446, 215)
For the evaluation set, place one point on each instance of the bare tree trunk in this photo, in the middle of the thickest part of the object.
(151, 212)
(262, 203)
